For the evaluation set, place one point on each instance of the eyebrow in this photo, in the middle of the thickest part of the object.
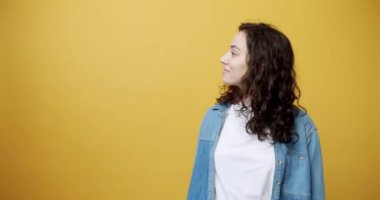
(234, 46)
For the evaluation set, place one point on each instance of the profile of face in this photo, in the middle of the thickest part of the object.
(235, 60)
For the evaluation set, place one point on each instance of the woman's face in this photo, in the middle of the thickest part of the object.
(235, 60)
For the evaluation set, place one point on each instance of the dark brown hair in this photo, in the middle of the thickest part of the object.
(270, 84)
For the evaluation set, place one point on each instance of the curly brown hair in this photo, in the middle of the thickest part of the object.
(269, 84)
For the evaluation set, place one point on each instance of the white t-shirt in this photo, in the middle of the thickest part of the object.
(244, 165)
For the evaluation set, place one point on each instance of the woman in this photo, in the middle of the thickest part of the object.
(254, 143)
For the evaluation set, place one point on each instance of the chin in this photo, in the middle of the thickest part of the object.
(226, 82)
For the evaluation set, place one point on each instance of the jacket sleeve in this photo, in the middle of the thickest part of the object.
(316, 163)
(198, 183)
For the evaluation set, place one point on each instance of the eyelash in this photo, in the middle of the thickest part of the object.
(234, 54)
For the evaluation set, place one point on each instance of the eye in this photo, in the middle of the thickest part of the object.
(233, 53)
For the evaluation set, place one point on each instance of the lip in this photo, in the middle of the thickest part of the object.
(226, 70)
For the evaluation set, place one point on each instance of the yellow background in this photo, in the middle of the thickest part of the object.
(103, 99)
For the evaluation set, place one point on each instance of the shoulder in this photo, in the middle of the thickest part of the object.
(211, 113)
(211, 121)
(216, 109)
(219, 106)
(304, 123)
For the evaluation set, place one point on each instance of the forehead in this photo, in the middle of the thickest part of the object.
(239, 41)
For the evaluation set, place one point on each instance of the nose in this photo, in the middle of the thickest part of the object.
(223, 59)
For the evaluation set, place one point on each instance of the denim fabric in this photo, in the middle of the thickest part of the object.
(298, 169)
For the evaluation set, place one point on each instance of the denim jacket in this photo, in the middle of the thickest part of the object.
(298, 170)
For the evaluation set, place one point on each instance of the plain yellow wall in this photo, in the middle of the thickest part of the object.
(103, 99)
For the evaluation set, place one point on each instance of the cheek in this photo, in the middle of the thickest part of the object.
(244, 69)
(241, 68)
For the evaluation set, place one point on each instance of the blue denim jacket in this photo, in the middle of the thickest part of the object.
(298, 170)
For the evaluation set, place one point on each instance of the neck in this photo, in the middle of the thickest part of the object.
(247, 101)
